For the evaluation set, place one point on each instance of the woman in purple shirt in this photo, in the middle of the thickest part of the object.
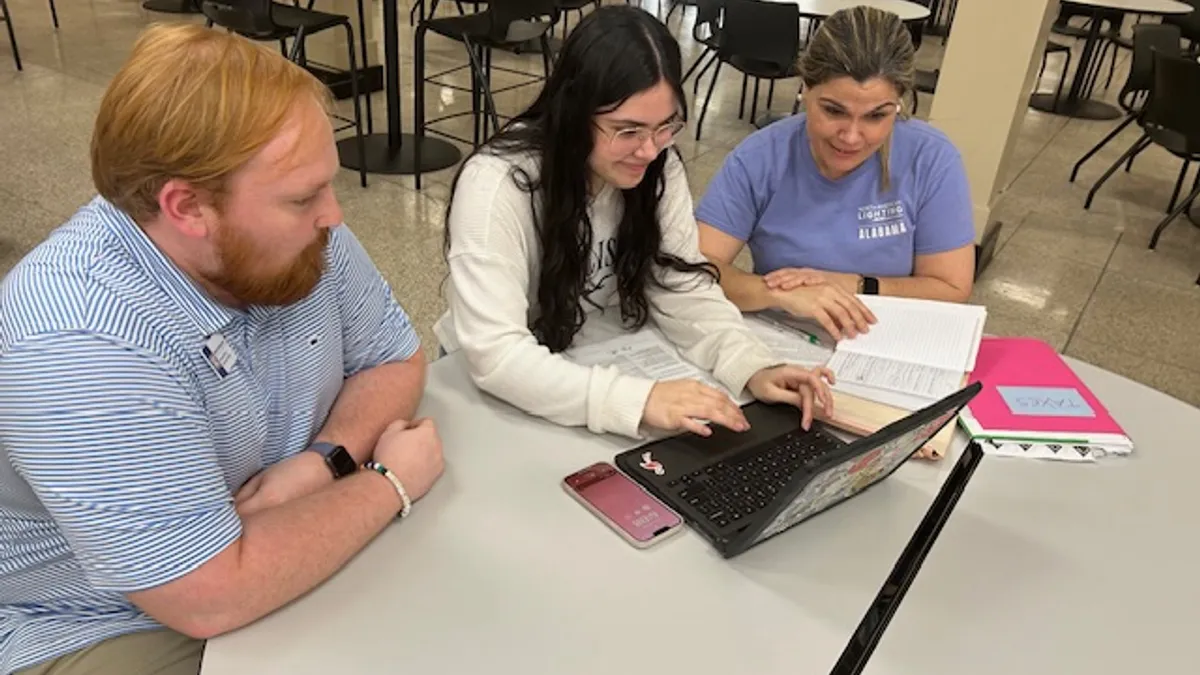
(847, 198)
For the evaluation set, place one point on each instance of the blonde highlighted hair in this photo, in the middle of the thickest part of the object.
(193, 104)
(862, 43)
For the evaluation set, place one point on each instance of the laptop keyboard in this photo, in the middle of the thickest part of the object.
(731, 490)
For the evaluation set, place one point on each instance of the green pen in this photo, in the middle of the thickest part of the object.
(811, 338)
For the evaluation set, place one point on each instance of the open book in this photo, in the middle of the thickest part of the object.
(917, 353)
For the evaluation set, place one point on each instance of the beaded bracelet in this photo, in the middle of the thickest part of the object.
(386, 473)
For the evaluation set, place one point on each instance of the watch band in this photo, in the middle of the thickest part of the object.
(870, 286)
(339, 460)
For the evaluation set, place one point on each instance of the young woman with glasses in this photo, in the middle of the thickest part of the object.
(847, 198)
(579, 210)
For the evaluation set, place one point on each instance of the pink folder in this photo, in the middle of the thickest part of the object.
(1027, 387)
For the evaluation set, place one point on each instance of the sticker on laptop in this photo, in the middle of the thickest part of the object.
(651, 464)
(847, 479)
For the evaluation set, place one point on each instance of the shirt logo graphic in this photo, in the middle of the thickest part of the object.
(880, 221)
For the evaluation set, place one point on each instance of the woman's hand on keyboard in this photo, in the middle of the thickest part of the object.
(804, 388)
(682, 404)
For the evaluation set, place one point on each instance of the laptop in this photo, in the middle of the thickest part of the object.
(740, 489)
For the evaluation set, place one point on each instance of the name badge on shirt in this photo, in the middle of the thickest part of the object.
(219, 354)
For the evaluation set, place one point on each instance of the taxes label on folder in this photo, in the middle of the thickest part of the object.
(1046, 401)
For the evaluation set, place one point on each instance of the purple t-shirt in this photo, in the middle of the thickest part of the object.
(770, 194)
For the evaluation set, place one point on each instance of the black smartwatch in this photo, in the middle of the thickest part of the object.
(870, 286)
(337, 458)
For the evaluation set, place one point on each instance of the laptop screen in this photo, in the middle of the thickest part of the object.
(847, 479)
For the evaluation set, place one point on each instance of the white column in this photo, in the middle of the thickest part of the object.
(992, 57)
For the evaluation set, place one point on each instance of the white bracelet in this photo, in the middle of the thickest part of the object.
(387, 473)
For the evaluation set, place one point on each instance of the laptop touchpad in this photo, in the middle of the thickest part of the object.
(766, 423)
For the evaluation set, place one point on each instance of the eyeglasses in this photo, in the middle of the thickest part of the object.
(630, 139)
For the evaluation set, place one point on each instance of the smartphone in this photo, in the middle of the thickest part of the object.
(628, 509)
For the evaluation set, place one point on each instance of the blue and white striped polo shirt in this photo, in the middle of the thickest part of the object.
(121, 444)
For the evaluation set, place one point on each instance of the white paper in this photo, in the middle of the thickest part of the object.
(892, 375)
(643, 354)
(936, 334)
(788, 345)
(895, 399)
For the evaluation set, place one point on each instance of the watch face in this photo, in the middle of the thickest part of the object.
(341, 462)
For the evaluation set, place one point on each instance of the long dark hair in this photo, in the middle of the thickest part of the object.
(614, 52)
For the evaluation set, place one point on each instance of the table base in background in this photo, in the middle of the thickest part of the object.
(768, 118)
(535, 46)
(1084, 109)
(170, 6)
(436, 154)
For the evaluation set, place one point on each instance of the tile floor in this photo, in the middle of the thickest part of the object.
(1083, 280)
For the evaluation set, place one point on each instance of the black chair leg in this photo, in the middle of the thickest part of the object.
(1178, 184)
(1112, 65)
(1137, 147)
(12, 36)
(54, 14)
(1104, 141)
(362, 43)
(490, 109)
(1062, 77)
(1172, 216)
(754, 103)
(297, 46)
(742, 105)
(481, 93)
(358, 116)
(713, 57)
(704, 109)
(474, 97)
(418, 100)
(544, 40)
(691, 70)
(770, 94)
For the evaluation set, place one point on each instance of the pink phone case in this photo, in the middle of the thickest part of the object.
(613, 497)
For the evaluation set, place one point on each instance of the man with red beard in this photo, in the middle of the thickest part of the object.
(207, 390)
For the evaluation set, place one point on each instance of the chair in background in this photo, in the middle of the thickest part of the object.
(760, 39)
(267, 20)
(576, 6)
(1110, 36)
(1053, 47)
(1148, 39)
(1171, 120)
(54, 14)
(12, 36)
(674, 5)
(1189, 26)
(706, 31)
(505, 25)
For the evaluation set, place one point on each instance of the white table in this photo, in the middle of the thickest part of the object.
(498, 571)
(907, 11)
(1065, 569)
